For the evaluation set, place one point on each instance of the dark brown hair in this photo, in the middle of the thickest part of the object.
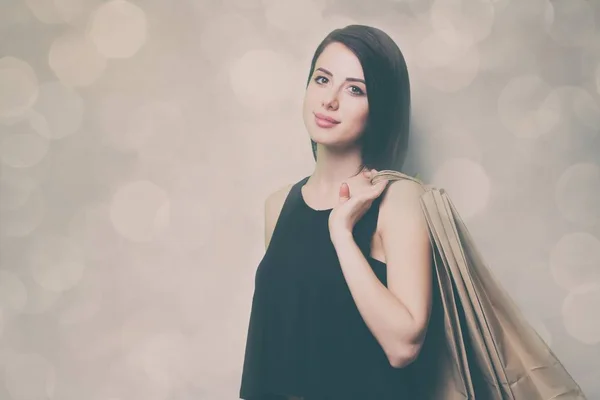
(384, 142)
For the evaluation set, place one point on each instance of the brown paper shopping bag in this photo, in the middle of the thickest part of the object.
(478, 344)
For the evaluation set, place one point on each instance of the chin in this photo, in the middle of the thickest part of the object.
(332, 141)
(324, 137)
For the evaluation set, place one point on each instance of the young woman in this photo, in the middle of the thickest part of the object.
(343, 293)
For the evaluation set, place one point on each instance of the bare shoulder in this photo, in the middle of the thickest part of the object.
(402, 191)
(401, 199)
(280, 194)
(274, 201)
(273, 206)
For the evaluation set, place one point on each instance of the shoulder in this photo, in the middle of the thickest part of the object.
(275, 199)
(273, 206)
(402, 191)
(401, 200)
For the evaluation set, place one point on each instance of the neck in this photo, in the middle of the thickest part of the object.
(333, 168)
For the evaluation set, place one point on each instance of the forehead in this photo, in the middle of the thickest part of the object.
(340, 61)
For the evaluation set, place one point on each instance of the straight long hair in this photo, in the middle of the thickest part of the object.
(384, 141)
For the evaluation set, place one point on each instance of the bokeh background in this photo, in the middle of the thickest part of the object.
(139, 140)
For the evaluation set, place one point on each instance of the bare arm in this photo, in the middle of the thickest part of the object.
(408, 251)
(397, 315)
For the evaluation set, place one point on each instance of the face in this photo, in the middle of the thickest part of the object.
(336, 90)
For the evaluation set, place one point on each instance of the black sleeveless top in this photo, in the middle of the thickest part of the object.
(306, 337)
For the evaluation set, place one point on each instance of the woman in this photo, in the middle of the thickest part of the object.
(343, 294)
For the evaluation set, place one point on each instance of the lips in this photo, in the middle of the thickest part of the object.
(325, 118)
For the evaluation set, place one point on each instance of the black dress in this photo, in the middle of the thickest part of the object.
(306, 336)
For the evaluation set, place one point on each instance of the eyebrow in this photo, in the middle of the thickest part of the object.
(347, 79)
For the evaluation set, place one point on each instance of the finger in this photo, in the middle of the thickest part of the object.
(372, 174)
(382, 183)
(344, 191)
(379, 187)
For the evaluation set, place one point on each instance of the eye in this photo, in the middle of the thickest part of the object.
(319, 77)
(355, 92)
(358, 91)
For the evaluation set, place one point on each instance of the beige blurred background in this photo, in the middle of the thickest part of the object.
(139, 139)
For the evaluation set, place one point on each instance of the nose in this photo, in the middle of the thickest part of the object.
(330, 100)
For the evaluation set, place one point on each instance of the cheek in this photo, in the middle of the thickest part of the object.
(359, 114)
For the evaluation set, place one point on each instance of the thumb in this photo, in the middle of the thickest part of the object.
(344, 192)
